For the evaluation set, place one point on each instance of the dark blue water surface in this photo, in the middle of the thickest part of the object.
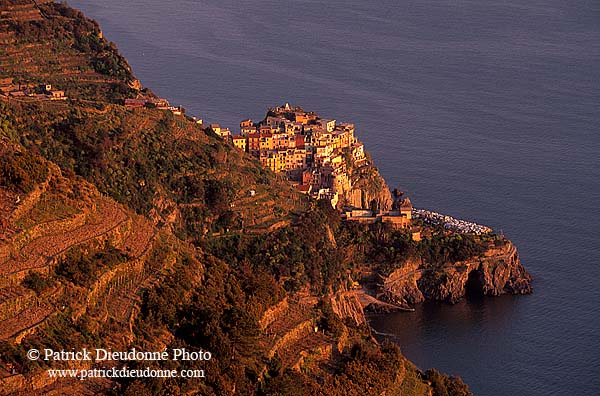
(487, 110)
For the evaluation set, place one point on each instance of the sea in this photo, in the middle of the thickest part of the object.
(485, 110)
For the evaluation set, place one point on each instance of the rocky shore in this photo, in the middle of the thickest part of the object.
(498, 272)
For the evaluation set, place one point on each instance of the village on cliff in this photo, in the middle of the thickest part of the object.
(318, 156)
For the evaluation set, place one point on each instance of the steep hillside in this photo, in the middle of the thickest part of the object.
(131, 227)
(50, 43)
(162, 165)
(80, 270)
(72, 264)
(114, 268)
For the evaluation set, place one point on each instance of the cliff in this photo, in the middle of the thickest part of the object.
(366, 188)
(134, 227)
(498, 271)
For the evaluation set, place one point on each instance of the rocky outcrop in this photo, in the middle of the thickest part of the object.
(364, 187)
(273, 313)
(401, 287)
(346, 305)
(498, 272)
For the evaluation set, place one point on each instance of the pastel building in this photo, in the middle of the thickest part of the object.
(240, 142)
(224, 133)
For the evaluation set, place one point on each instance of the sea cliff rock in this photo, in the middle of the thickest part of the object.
(401, 288)
(366, 187)
(498, 272)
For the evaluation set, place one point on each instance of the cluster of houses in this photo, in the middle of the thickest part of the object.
(29, 91)
(314, 153)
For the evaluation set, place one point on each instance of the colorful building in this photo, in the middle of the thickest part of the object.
(240, 142)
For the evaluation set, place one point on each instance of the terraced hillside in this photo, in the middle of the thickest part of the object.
(162, 165)
(50, 43)
(290, 326)
(68, 254)
(44, 226)
(123, 227)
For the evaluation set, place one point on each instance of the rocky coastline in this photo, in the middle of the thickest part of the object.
(496, 273)
(163, 235)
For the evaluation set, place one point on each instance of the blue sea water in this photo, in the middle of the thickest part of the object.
(484, 110)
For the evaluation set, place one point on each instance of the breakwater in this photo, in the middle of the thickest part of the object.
(450, 223)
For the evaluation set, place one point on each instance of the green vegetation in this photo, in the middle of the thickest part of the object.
(366, 369)
(21, 171)
(452, 248)
(61, 332)
(444, 385)
(37, 282)
(216, 264)
(302, 254)
(215, 309)
(379, 245)
(82, 267)
(329, 321)
(7, 129)
(369, 369)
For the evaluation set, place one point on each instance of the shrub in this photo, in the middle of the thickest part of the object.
(21, 171)
(36, 282)
(447, 386)
(82, 268)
